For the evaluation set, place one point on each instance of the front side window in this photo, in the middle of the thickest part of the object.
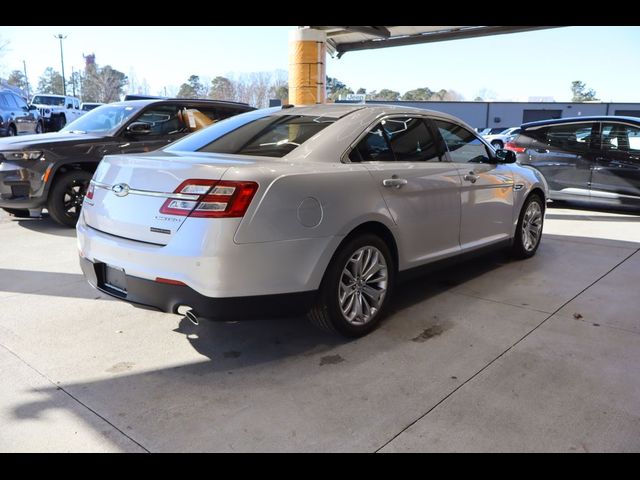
(620, 137)
(163, 119)
(463, 145)
(21, 103)
(11, 100)
(401, 139)
(3, 101)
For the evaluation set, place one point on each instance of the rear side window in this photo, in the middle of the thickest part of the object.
(620, 137)
(575, 136)
(196, 118)
(463, 145)
(3, 102)
(374, 147)
(402, 139)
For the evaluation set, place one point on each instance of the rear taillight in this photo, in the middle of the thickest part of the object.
(211, 199)
(514, 148)
(90, 190)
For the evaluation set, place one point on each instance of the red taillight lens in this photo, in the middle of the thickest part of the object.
(90, 191)
(514, 148)
(211, 199)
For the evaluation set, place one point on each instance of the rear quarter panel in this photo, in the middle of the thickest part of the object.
(308, 201)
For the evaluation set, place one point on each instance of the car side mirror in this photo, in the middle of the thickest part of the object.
(69, 105)
(139, 128)
(32, 107)
(505, 156)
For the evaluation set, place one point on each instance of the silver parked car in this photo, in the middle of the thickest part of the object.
(302, 210)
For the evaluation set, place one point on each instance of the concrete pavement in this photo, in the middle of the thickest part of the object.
(491, 355)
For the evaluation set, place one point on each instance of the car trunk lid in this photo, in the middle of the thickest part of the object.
(128, 193)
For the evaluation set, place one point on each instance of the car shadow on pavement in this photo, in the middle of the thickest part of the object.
(254, 375)
(45, 225)
(54, 284)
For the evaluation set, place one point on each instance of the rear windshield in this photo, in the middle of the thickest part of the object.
(251, 134)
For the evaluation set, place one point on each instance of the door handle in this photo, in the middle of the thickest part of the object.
(471, 177)
(394, 182)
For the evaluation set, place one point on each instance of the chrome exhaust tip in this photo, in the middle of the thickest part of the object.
(192, 316)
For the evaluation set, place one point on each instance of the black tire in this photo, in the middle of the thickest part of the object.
(17, 212)
(66, 196)
(60, 122)
(521, 247)
(39, 127)
(327, 314)
(11, 131)
(497, 144)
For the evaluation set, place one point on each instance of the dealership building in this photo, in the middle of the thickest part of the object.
(512, 114)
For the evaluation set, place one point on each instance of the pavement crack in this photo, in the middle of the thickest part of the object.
(60, 388)
(446, 397)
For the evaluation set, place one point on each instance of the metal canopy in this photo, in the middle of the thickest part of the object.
(342, 39)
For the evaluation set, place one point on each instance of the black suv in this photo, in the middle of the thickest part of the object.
(16, 117)
(53, 170)
(594, 159)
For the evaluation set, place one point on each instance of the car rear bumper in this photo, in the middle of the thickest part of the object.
(168, 298)
(203, 255)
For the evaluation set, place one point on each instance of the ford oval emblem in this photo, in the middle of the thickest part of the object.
(120, 190)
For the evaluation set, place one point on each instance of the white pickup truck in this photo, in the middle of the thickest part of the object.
(56, 110)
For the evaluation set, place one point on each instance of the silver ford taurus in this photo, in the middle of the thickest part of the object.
(297, 210)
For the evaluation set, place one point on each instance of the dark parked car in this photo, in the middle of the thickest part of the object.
(16, 117)
(594, 159)
(53, 170)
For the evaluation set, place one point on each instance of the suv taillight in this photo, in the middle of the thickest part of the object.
(514, 148)
(90, 191)
(211, 199)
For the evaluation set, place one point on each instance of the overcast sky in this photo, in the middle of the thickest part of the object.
(513, 67)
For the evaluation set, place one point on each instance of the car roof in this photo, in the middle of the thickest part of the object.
(595, 118)
(50, 95)
(188, 101)
(339, 110)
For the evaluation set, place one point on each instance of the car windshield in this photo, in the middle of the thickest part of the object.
(102, 119)
(45, 100)
(255, 133)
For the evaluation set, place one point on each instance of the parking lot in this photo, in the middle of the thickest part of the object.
(489, 355)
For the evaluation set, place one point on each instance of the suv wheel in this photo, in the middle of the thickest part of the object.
(39, 128)
(66, 196)
(11, 131)
(356, 288)
(60, 122)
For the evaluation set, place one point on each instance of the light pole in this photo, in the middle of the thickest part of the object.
(64, 83)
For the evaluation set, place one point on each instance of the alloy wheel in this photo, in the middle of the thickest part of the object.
(531, 226)
(363, 285)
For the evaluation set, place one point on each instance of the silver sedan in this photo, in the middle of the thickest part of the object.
(312, 210)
